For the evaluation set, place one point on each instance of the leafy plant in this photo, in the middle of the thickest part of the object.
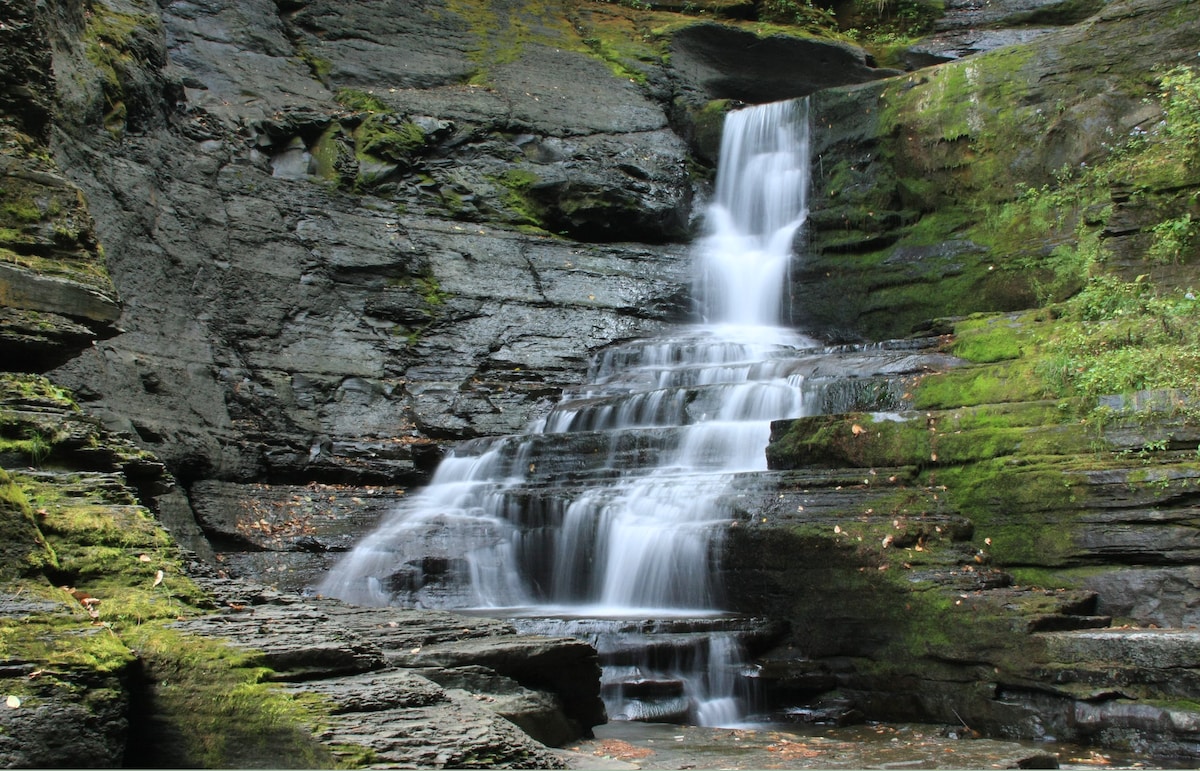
(1173, 239)
(1179, 92)
(801, 12)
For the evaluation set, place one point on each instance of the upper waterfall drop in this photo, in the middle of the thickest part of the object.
(760, 205)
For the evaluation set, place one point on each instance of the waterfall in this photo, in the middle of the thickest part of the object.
(610, 507)
(761, 202)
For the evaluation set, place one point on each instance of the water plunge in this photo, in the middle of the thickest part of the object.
(604, 520)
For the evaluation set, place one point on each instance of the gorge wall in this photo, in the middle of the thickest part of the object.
(281, 253)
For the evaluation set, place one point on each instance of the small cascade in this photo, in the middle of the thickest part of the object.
(604, 520)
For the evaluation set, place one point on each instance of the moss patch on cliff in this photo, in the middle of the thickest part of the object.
(527, 212)
(91, 585)
(45, 227)
(212, 706)
(117, 43)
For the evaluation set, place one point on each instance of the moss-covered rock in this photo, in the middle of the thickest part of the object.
(990, 180)
(90, 586)
(981, 529)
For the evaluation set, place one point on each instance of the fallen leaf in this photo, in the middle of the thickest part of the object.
(13, 702)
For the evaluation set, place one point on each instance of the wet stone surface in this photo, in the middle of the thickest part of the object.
(783, 745)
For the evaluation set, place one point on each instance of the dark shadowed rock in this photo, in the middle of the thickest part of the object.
(725, 63)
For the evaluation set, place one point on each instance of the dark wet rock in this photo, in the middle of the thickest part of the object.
(399, 716)
(725, 63)
(57, 730)
(969, 27)
(288, 534)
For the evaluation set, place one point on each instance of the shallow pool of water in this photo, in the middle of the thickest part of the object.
(623, 744)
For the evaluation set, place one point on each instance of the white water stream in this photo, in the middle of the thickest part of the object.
(609, 507)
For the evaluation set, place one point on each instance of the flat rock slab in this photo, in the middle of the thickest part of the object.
(421, 688)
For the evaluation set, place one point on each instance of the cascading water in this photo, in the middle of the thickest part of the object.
(606, 515)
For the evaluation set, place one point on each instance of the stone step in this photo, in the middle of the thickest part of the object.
(632, 683)
(1132, 662)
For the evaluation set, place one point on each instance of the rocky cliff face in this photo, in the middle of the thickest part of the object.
(333, 254)
(342, 236)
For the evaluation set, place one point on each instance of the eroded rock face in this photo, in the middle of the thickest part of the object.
(890, 175)
(55, 296)
(307, 327)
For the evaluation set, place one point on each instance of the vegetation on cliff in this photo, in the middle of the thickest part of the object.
(91, 585)
(1068, 438)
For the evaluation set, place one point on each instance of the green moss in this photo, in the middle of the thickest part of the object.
(110, 40)
(360, 101)
(516, 184)
(333, 156)
(21, 211)
(25, 552)
(431, 290)
(986, 339)
(64, 643)
(46, 229)
(388, 138)
(1024, 509)
(220, 706)
(499, 38)
(1014, 381)
(212, 705)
